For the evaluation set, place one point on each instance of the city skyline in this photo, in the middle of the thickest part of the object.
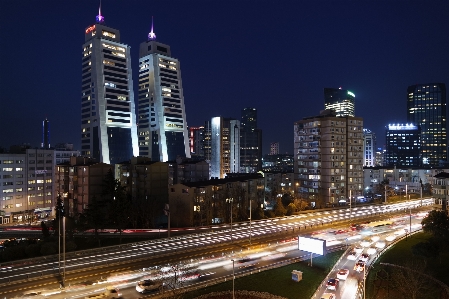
(277, 58)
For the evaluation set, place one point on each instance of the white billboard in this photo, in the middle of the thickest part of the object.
(312, 245)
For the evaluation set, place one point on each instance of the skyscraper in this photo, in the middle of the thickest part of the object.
(250, 142)
(108, 120)
(403, 146)
(274, 148)
(426, 108)
(225, 146)
(162, 119)
(369, 147)
(45, 134)
(340, 100)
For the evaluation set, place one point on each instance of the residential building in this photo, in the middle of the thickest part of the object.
(214, 201)
(426, 108)
(79, 181)
(340, 100)
(108, 120)
(225, 146)
(186, 170)
(162, 119)
(369, 146)
(278, 163)
(403, 146)
(328, 158)
(250, 142)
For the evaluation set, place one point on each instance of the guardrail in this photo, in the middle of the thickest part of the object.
(360, 289)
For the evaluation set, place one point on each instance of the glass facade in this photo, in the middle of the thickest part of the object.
(426, 108)
(403, 146)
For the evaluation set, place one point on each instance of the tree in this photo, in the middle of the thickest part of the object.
(291, 208)
(45, 230)
(279, 209)
(426, 249)
(437, 224)
(175, 277)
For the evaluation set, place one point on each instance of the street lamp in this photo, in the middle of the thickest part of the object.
(250, 231)
(364, 280)
(233, 279)
(231, 200)
(405, 191)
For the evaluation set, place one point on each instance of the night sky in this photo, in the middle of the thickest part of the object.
(276, 56)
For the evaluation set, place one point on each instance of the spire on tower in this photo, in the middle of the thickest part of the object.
(99, 18)
(151, 35)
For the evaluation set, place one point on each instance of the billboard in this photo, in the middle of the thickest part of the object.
(312, 245)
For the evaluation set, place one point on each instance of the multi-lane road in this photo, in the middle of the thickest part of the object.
(122, 266)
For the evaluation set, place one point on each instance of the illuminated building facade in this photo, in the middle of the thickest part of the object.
(426, 108)
(162, 119)
(369, 147)
(274, 148)
(250, 142)
(403, 146)
(340, 100)
(196, 137)
(225, 147)
(108, 120)
(328, 157)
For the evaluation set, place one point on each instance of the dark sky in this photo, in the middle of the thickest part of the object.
(276, 56)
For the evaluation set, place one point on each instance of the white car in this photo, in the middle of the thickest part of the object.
(358, 249)
(371, 250)
(342, 274)
(380, 244)
(328, 296)
(365, 243)
(375, 238)
(364, 257)
(352, 256)
(390, 238)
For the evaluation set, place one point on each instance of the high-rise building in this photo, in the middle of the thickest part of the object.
(328, 158)
(403, 146)
(369, 147)
(340, 100)
(274, 148)
(250, 142)
(426, 108)
(162, 119)
(108, 120)
(225, 146)
(45, 134)
(196, 137)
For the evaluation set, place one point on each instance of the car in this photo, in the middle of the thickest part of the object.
(365, 243)
(340, 231)
(364, 257)
(352, 256)
(380, 244)
(390, 238)
(359, 266)
(342, 274)
(358, 249)
(375, 238)
(371, 250)
(147, 286)
(328, 296)
(332, 284)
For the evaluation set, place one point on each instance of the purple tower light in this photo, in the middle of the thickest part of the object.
(151, 35)
(99, 18)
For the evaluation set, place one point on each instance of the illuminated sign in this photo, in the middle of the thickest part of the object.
(402, 127)
(91, 28)
(312, 245)
(351, 94)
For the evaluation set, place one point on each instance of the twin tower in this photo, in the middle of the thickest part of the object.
(110, 132)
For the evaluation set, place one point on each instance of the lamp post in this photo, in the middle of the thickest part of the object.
(364, 280)
(250, 231)
(405, 191)
(231, 200)
(233, 279)
(350, 206)
(385, 193)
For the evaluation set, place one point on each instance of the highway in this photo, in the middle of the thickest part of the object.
(96, 265)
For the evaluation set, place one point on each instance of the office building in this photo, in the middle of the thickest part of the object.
(45, 134)
(328, 158)
(426, 108)
(250, 142)
(196, 137)
(274, 148)
(403, 146)
(162, 119)
(108, 120)
(369, 147)
(225, 147)
(340, 100)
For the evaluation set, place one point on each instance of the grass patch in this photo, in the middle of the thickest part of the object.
(401, 254)
(279, 281)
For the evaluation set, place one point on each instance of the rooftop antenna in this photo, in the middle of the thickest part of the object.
(151, 35)
(99, 18)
